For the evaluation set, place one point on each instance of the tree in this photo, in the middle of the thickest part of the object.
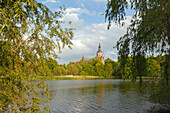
(60, 70)
(146, 34)
(126, 70)
(153, 67)
(57, 71)
(79, 67)
(108, 60)
(43, 70)
(51, 63)
(109, 64)
(72, 69)
(99, 68)
(87, 69)
(29, 33)
(94, 61)
(116, 68)
(108, 70)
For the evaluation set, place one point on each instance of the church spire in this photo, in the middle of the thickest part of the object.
(99, 46)
(100, 54)
(83, 56)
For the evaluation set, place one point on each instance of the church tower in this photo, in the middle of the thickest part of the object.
(100, 54)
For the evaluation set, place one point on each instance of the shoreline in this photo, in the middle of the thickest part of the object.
(66, 77)
(80, 77)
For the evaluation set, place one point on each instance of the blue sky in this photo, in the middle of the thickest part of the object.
(91, 5)
(91, 28)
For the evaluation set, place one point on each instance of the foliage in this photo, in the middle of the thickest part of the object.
(127, 71)
(153, 67)
(72, 69)
(51, 63)
(87, 69)
(29, 33)
(160, 92)
(108, 70)
(94, 61)
(146, 33)
(99, 68)
(60, 70)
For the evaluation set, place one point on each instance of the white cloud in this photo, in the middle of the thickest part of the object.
(109, 0)
(74, 19)
(86, 42)
(102, 38)
(53, 1)
(70, 10)
(80, 10)
(72, 15)
(74, 54)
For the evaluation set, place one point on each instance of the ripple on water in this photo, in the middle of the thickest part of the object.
(88, 96)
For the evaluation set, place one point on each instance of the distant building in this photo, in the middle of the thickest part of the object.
(100, 54)
(83, 57)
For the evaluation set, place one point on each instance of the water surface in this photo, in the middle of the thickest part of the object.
(102, 96)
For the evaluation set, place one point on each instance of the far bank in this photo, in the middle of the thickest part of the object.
(80, 77)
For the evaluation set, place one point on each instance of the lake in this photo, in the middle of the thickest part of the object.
(102, 96)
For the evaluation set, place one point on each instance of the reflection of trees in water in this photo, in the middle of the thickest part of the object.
(145, 89)
(158, 92)
(137, 87)
(159, 109)
(93, 93)
(93, 89)
(100, 89)
(93, 96)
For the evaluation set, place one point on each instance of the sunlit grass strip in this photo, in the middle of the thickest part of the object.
(66, 78)
(80, 78)
(145, 77)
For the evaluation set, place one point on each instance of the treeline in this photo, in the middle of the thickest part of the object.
(95, 67)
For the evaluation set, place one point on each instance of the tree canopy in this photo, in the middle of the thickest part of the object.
(29, 34)
(148, 33)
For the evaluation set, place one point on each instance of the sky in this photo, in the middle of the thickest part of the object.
(87, 17)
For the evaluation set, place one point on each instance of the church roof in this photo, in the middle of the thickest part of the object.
(100, 56)
(99, 51)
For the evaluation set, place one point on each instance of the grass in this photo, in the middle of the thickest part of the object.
(78, 77)
(66, 78)
(148, 77)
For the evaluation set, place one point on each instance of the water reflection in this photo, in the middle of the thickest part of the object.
(100, 93)
(112, 96)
